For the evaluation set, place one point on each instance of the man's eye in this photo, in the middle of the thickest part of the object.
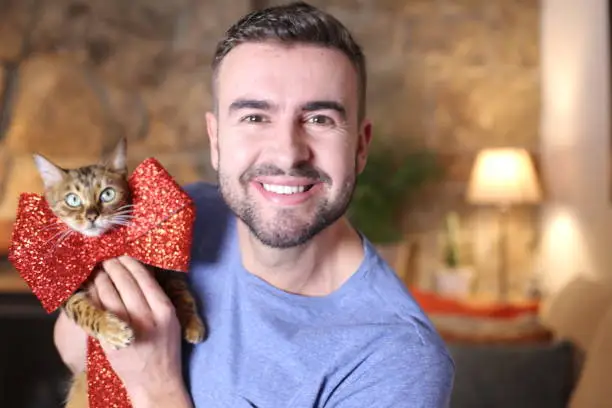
(253, 119)
(321, 120)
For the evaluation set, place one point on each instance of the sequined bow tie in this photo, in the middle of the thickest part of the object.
(159, 234)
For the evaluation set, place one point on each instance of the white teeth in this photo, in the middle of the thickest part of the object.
(284, 189)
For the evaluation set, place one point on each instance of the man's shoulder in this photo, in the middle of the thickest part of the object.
(213, 218)
(404, 359)
(204, 193)
(399, 356)
(209, 203)
(391, 302)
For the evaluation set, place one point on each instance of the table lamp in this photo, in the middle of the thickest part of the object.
(503, 177)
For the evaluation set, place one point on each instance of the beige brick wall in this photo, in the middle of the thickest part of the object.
(453, 75)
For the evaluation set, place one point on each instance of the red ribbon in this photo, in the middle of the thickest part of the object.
(53, 266)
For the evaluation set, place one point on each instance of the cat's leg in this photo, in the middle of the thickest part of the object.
(98, 323)
(175, 286)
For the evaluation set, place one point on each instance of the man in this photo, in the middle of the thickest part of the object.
(301, 310)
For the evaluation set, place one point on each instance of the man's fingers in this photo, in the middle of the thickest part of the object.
(106, 295)
(157, 299)
(129, 290)
(92, 291)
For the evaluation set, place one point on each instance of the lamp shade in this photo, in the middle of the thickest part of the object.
(503, 176)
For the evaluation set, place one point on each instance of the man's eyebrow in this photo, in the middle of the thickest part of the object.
(249, 104)
(325, 105)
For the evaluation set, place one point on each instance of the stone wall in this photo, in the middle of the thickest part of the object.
(453, 75)
(77, 75)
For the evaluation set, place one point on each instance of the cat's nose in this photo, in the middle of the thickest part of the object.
(91, 215)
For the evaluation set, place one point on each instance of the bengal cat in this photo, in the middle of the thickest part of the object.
(91, 200)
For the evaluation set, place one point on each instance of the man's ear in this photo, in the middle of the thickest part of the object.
(363, 144)
(212, 126)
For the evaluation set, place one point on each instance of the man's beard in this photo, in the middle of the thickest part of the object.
(286, 230)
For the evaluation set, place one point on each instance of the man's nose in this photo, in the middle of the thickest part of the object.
(291, 146)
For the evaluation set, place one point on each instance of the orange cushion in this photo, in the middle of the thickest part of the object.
(434, 304)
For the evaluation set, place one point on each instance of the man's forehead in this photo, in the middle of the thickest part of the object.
(273, 48)
(275, 67)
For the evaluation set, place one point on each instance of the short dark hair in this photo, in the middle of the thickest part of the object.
(296, 22)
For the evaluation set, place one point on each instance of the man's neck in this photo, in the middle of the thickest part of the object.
(316, 268)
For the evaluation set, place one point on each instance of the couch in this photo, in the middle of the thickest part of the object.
(511, 376)
(572, 370)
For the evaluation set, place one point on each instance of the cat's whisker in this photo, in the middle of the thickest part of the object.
(118, 220)
(57, 234)
(121, 217)
(124, 208)
(62, 238)
(121, 223)
(121, 213)
(126, 216)
(53, 225)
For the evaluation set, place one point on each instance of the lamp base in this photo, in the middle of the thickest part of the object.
(502, 268)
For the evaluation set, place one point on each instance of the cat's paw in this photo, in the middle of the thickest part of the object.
(115, 331)
(194, 331)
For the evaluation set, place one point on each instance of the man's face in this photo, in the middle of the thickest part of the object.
(285, 140)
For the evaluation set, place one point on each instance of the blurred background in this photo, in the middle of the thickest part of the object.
(487, 189)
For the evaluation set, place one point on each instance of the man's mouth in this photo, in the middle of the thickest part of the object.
(287, 190)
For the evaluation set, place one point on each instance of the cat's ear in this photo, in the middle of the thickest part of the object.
(118, 158)
(50, 173)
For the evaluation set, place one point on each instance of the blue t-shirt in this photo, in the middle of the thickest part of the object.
(366, 345)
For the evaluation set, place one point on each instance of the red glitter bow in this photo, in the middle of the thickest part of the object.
(159, 234)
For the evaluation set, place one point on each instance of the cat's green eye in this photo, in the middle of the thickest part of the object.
(108, 195)
(72, 200)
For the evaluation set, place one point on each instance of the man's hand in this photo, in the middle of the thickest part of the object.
(71, 343)
(150, 367)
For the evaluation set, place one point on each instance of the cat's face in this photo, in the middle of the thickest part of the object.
(91, 199)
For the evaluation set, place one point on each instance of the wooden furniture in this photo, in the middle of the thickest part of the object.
(10, 281)
(6, 228)
(478, 333)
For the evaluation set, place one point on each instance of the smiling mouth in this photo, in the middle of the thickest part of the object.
(287, 190)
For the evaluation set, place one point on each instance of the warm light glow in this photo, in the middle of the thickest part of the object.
(564, 251)
(503, 176)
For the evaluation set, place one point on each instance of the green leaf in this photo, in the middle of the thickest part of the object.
(390, 178)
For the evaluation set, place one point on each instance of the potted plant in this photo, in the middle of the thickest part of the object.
(454, 278)
(390, 179)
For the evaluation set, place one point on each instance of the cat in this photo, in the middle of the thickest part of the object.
(91, 200)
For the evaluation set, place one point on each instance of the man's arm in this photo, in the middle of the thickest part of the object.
(411, 378)
(150, 368)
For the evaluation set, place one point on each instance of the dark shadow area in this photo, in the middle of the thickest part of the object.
(32, 374)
